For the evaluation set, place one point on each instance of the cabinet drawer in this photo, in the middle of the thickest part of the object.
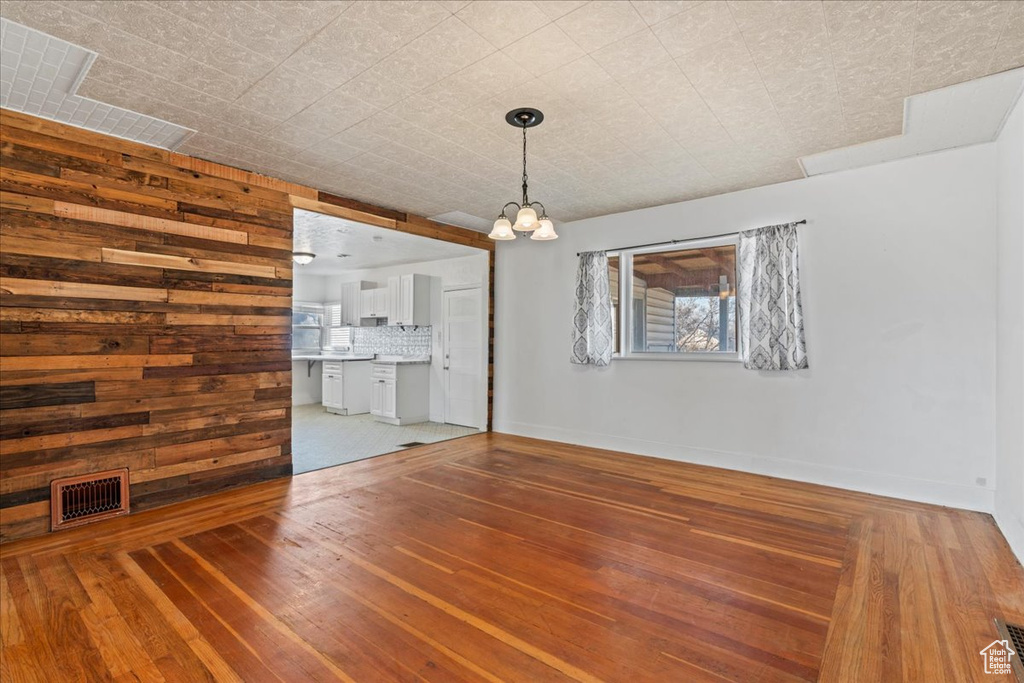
(332, 368)
(383, 371)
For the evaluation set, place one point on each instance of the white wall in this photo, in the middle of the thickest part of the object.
(307, 387)
(455, 273)
(1009, 504)
(898, 262)
(306, 287)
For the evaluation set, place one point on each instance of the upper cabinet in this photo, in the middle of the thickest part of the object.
(373, 303)
(409, 300)
(404, 301)
(350, 310)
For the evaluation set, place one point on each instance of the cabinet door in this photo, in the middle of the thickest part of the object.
(366, 303)
(390, 398)
(407, 299)
(380, 302)
(377, 397)
(395, 300)
(331, 388)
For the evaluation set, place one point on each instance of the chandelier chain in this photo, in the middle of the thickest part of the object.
(526, 199)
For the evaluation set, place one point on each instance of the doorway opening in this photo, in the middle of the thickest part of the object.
(389, 341)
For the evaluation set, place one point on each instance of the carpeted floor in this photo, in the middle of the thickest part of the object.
(321, 439)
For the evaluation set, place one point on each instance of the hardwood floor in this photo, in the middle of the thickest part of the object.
(500, 558)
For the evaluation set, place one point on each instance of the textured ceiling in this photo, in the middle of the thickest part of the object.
(366, 246)
(959, 115)
(40, 74)
(402, 103)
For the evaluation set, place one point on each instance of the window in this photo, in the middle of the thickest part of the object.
(306, 320)
(337, 337)
(682, 300)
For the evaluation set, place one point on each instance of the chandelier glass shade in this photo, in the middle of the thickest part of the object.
(527, 220)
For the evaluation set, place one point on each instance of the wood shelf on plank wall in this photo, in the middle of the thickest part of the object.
(145, 312)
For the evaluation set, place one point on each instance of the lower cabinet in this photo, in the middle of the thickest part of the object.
(334, 392)
(345, 387)
(377, 397)
(400, 394)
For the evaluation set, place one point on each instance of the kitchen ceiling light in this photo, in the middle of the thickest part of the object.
(527, 219)
(303, 258)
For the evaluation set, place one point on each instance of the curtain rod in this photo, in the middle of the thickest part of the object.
(690, 239)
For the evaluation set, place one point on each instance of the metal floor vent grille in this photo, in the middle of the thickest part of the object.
(412, 443)
(88, 498)
(1015, 634)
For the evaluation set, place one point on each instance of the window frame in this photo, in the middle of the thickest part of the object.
(625, 313)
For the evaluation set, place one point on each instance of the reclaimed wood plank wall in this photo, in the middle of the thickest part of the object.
(145, 312)
(145, 316)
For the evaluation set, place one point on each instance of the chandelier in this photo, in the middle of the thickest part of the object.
(527, 219)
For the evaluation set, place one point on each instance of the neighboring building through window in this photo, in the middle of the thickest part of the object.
(683, 298)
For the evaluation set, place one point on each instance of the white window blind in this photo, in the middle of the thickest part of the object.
(339, 337)
(336, 335)
(332, 314)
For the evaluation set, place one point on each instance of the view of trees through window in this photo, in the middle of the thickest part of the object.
(698, 324)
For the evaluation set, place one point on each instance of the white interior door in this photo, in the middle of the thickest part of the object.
(463, 367)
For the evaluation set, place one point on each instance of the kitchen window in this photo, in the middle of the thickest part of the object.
(337, 336)
(306, 326)
(682, 300)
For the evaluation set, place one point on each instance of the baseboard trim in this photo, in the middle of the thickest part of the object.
(908, 488)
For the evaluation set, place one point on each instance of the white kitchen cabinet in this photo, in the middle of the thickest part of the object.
(350, 311)
(394, 299)
(377, 397)
(373, 303)
(345, 387)
(400, 393)
(390, 407)
(409, 297)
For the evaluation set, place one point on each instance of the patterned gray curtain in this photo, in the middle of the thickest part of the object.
(592, 319)
(771, 320)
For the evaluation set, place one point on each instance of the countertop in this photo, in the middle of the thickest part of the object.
(415, 361)
(329, 356)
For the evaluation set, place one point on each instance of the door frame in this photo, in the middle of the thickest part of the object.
(488, 311)
(310, 199)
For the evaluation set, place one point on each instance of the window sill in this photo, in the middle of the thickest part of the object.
(685, 357)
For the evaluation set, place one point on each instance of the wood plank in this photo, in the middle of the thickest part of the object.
(35, 247)
(229, 299)
(135, 258)
(343, 212)
(77, 290)
(89, 192)
(96, 361)
(12, 397)
(67, 344)
(24, 202)
(13, 119)
(149, 223)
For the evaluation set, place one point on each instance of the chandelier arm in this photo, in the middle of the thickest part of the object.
(543, 211)
(508, 205)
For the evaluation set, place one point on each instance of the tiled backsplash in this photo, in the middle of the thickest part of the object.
(391, 341)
